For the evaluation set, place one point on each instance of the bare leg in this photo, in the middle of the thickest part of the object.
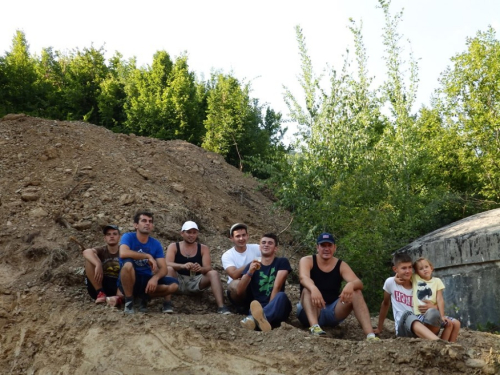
(360, 311)
(233, 291)
(456, 330)
(164, 290)
(422, 331)
(172, 273)
(312, 312)
(445, 335)
(212, 278)
(90, 272)
(127, 276)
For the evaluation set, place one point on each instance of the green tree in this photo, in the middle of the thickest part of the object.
(19, 76)
(470, 105)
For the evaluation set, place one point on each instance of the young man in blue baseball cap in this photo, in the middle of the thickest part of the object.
(322, 302)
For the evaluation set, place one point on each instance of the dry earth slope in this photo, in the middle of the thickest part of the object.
(67, 179)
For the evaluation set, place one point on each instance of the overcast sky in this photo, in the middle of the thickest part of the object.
(254, 40)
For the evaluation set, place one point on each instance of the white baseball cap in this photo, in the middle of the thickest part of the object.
(189, 225)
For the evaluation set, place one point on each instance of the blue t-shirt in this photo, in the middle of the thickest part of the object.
(152, 247)
(262, 282)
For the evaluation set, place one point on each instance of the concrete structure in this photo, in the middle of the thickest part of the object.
(466, 256)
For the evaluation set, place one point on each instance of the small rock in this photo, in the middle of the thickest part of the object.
(38, 212)
(82, 225)
(30, 196)
(127, 199)
(179, 188)
(475, 363)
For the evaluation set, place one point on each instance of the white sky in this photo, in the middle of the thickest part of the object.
(253, 40)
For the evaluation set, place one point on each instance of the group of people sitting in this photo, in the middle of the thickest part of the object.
(134, 265)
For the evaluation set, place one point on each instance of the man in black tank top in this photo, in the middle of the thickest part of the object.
(189, 262)
(322, 303)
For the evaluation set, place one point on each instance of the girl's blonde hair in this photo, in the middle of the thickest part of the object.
(415, 263)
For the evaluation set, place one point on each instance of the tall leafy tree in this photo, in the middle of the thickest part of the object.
(470, 105)
(19, 76)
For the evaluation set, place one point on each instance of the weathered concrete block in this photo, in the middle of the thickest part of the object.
(466, 256)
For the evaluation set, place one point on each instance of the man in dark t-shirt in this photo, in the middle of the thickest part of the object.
(102, 268)
(189, 262)
(322, 303)
(264, 279)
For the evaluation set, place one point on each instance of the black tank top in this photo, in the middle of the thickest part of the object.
(181, 259)
(328, 283)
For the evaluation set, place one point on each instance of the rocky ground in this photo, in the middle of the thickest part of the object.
(62, 181)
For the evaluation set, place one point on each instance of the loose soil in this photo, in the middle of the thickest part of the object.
(62, 181)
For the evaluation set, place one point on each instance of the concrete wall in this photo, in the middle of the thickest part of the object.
(466, 256)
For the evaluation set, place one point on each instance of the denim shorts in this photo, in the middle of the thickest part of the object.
(326, 316)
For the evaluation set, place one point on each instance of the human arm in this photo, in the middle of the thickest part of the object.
(247, 276)
(279, 282)
(206, 261)
(126, 252)
(440, 303)
(91, 256)
(353, 283)
(305, 266)
(384, 309)
(162, 272)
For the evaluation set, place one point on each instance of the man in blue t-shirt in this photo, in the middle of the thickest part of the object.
(143, 268)
(265, 281)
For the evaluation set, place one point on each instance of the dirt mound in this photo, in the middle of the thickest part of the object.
(62, 180)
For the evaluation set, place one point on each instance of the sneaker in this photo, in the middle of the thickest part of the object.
(101, 297)
(258, 315)
(129, 308)
(316, 330)
(168, 308)
(114, 301)
(372, 337)
(223, 310)
(248, 323)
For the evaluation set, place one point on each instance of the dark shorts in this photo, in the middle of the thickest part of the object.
(109, 286)
(141, 281)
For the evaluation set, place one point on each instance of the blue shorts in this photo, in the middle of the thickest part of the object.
(326, 316)
(141, 281)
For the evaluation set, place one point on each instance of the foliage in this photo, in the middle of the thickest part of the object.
(367, 167)
(470, 106)
(163, 100)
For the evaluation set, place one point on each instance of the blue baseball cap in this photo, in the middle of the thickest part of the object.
(325, 237)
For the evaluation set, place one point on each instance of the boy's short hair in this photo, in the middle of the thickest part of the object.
(401, 258)
(273, 236)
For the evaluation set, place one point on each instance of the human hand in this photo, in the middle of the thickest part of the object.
(428, 304)
(347, 292)
(151, 286)
(398, 280)
(188, 265)
(317, 299)
(98, 273)
(254, 266)
(377, 331)
(196, 267)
